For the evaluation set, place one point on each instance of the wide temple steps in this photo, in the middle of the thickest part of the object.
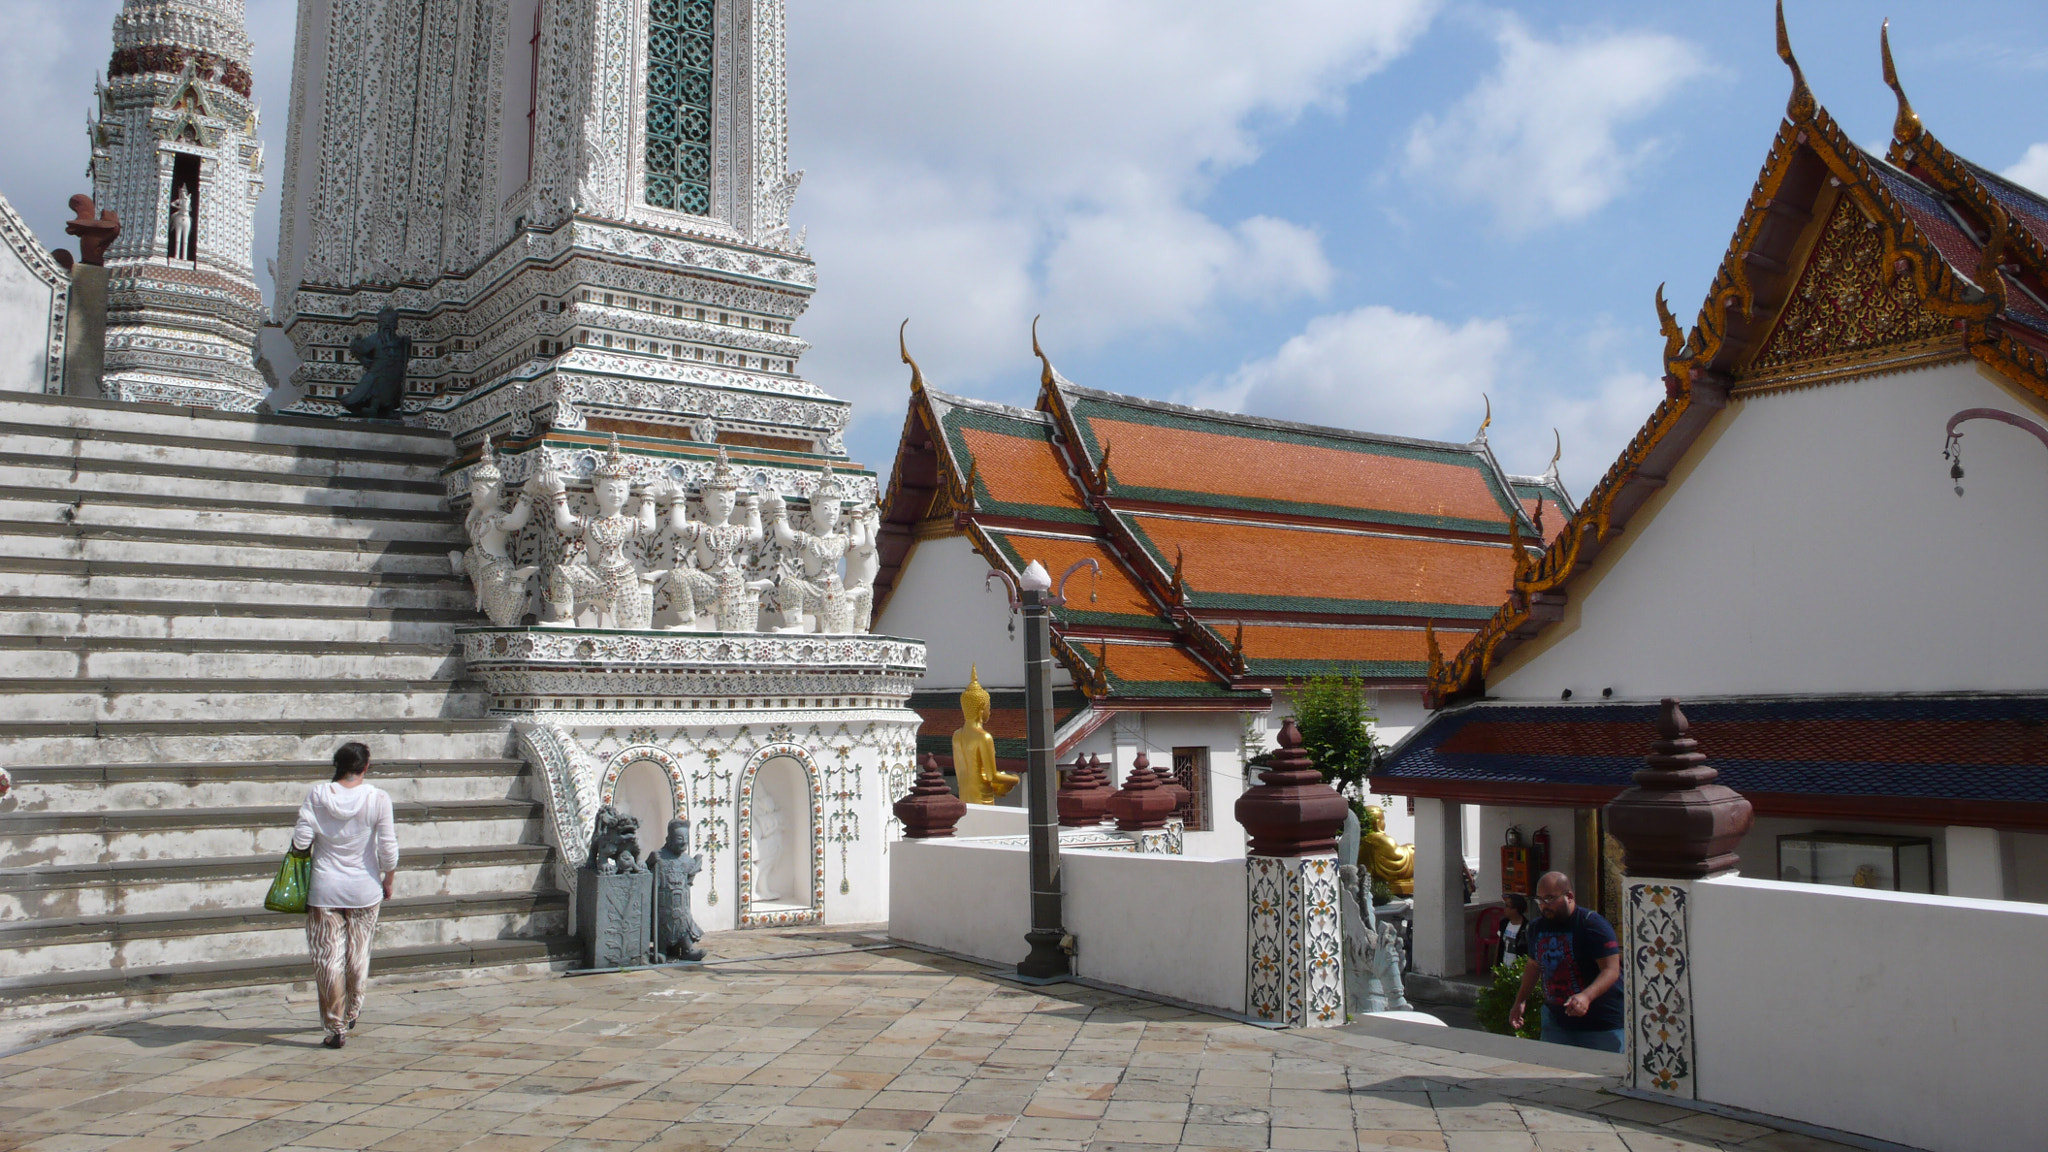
(195, 610)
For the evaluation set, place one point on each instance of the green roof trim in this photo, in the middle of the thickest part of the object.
(1083, 407)
(956, 420)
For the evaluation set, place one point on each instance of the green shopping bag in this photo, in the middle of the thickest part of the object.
(294, 880)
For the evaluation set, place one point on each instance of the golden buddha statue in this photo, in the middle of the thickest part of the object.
(1394, 863)
(974, 750)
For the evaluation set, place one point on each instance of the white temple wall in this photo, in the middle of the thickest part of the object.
(33, 296)
(942, 602)
(1850, 989)
(1812, 542)
(1168, 925)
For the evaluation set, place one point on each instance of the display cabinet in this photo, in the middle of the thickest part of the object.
(1857, 860)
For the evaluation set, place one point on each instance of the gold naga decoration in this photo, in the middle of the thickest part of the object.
(1891, 241)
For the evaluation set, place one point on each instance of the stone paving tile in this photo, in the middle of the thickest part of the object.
(828, 1050)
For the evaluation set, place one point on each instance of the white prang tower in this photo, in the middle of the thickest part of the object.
(579, 210)
(174, 150)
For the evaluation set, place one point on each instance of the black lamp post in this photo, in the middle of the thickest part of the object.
(1034, 598)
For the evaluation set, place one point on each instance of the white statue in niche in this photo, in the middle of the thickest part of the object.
(771, 847)
(718, 585)
(181, 227)
(500, 588)
(607, 581)
(803, 585)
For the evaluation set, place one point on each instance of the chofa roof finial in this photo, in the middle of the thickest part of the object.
(1046, 377)
(1479, 437)
(916, 374)
(1802, 105)
(1906, 128)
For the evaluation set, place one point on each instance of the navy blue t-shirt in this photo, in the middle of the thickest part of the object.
(1567, 954)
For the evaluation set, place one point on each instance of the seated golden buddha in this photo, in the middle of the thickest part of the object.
(974, 750)
(1386, 860)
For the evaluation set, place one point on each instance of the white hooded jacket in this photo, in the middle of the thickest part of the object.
(354, 843)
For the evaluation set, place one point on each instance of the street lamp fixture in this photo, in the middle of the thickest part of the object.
(1033, 597)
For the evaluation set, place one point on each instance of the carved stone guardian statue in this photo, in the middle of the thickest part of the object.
(1372, 950)
(675, 869)
(718, 585)
(817, 550)
(500, 588)
(606, 579)
(974, 749)
(380, 394)
(615, 895)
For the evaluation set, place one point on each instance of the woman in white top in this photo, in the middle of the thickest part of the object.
(348, 826)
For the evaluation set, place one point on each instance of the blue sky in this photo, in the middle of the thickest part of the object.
(1347, 211)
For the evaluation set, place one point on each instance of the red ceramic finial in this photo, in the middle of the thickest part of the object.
(1084, 794)
(1291, 812)
(1141, 805)
(1677, 823)
(1167, 781)
(930, 810)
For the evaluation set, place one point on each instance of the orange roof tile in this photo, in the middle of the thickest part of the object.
(1020, 470)
(1244, 467)
(1232, 563)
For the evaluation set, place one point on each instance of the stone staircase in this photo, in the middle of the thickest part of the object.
(196, 609)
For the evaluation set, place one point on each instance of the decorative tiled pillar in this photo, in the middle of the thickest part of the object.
(1676, 827)
(1294, 967)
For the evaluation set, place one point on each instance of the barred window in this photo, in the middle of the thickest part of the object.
(679, 105)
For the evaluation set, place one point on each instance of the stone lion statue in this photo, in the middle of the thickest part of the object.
(615, 843)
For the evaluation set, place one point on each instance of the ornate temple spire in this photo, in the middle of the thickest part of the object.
(175, 152)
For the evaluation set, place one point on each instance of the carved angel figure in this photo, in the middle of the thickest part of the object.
(864, 564)
(718, 585)
(500, 588)
(607, 579)
(817, 552)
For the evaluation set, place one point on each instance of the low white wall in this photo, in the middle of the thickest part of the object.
(1162, 924)
(962, 897)
(993, 820)
(1909, 1018)
(1168, 925)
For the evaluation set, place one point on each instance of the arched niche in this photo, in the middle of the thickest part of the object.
(781, 871)
(648, 784)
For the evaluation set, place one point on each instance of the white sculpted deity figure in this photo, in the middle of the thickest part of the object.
(864, 564)
(804, 583)
(718, 585)
(606, 579)
(500, 588)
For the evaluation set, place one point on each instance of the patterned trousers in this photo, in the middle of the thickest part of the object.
(340, 942)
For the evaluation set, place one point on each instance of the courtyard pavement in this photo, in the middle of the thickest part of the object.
(842, 1047)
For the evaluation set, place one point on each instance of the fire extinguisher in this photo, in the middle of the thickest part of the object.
(1539, 855)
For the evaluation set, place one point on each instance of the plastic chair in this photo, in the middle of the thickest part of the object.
(1488, 929)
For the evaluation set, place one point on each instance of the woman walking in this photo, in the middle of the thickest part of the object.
(347, 825)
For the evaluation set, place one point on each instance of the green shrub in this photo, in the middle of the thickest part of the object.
(1498, 999)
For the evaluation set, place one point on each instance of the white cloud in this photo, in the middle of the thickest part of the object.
(1377, 369)
(973, 164)
(1539, 140)
(2032, 170)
